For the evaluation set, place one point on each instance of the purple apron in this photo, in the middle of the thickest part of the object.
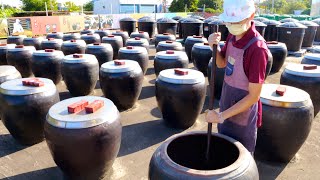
(243, 126)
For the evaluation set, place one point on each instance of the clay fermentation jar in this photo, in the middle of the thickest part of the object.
(279, 53)
(102, 33)
(3, 52)
(138, 54)
(287, 116)
(84, 143)
(123, 34)
(128, 24)
(140, 34)
(170, 59)
(91, 38)
(291, 33)
(24, 107)
(86, 31)
(55, 35)
(182, 156)
(8, 73)
(164, 37)
(16, 39)
(190, 41)
(180, 95)
(201, 54)
(51, 44)
(80, 73)
(121, 82)
(169, 45)
(70, 36)
(102, 51)
(142, 42)
(311, 58)
(147, 24)
(47, 64)
(20, 57)
(304, 77)
(73, 47)
(115, 42)
(33, 41)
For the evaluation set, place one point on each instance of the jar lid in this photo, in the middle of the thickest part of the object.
(74, 42)
(192, 20)
(77, 35)
(166, 20)
(210, 19)
(102, 30)
(48, 52)
(181, 76)
(60, 33)
(202, 46)
(17, 36)
(16, 87)
(79, 58)
(33, 38)
(121, 33)
(133, 50)
(100, 46)
(261, 19)
(276, 44)
(120, 66)
(309, 23)
(140, 32)
(52, 40)
(90, 35)
(288, 20)
(20, 48)
(171, 55)
(7, 46)
(128, 19)
(292, 97)
(316, 21)
(105, 111)
(176, 18)
(303, 70)
(259, 24)
(197, 38)
(197, 17)
(87, 31)
(170, 44)
(112, 37)
(166, 35)
(292, 25)
(312, 56)
(271, 22)
(140, 40)
(217, 22)
(7, 70)
(146, 19)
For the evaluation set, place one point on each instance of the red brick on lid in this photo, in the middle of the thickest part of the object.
(168, 41)
(141, 32)
(137, 38)
(197, 36)
(50, 39)
(3, 44)
(129, 47)
(206, 44)
(281, 90)
(96, 44)
(110, 35)
(35, 82)
(35, 36)
(49, 50)
(181, 72)
(77, 56)
(165, 33)
(310, 67)
(272, 42)
(77, 106)
(73, 40)
(54, 32)
(19, 46)
(119, 63)
(90, 34)
(169, 52)
(94, 106)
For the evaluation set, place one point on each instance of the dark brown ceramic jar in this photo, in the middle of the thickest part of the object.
(140, 34)
(8, 73)
(279, 53)
(55, 35)
(169, 45)
(180, 95)
(47, 64)
(190, 41)
(33, 41)
(170, 59)
(3, 52)
(164, 37)
(80, 73)
(51, 44)
(201, 54)
(73, 47)
(138, 42)
(16, 39)
(121, 82)
(91, 38)
(115, 42)
(84, 144)
(138, 54)
(123, 34)
(20, 57)
(24, 108)
(102, 51)
(70, 36)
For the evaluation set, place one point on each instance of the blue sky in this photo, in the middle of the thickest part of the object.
(18, 2)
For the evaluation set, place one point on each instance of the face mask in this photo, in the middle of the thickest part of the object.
(237, 29)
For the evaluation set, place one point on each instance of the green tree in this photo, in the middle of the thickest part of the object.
(294, 5)
(278, 5)
(39, 5)
(179, 5)
(8, 11)
(214, 4)
(88, 6)
(71, 6)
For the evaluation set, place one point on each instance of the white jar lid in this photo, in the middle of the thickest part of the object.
(275, 44)
(192, 76)
(112, 37)
(170, 55)
(299, 70)
(7, 70)
(79, 58)
(205, 46)
(7, 46)
(52, 40)
(74, 42)
(133, 50)
(197, 38)
(19, 48)
(169, 44)
(312, 56)
(120, 66)
(48, 52)
(99, 46)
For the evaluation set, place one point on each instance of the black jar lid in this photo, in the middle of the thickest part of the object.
(283, 96)
(74, 42)
(133, 50)
(197, 38)
(166, 35)
(80, 58)
(39, 38)
(292, 25)
(210, 19)
(288, 20)
(120, 66)
(19, 48)
(90, 35)
(271, 22)
(259, 24)
(146, 19)
(276, 44)
(192, 20)
(181, 76)
(309, 23)
(17, 36)
(82, 112)
(130, 19)
(7, 46)
(112, 37)
(36, 85)
(217, 22)
(171, 55)
(100, 46)
(48, 52)
(166, 20)
(261, 19)
(7, 70)
(120, 33)
(170, 44)
(138, 40)
(303, 70)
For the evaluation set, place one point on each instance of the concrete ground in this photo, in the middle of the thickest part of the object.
(143, 132)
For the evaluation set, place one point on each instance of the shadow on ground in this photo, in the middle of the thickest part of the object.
(147, 92)
(9, 145)
(140, 136)
(53, 173)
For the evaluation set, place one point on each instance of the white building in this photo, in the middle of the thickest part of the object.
(128, 6)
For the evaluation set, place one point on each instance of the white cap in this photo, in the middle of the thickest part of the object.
(237, 10)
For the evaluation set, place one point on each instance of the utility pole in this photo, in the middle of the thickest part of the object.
(185, 8)
(272, 6)
(45, 4)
